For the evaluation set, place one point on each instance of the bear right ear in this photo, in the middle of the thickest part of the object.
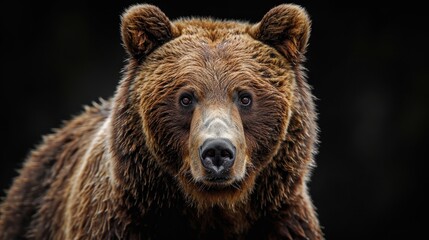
(287, 29)
(144, 27)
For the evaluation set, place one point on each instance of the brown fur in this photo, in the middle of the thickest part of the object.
(129, 167)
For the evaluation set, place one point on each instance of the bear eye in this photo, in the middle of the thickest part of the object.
(245, 100)
(186, 100)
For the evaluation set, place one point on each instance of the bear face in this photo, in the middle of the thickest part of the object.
(214, 97)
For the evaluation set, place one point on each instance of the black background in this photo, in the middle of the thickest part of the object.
(367, 63)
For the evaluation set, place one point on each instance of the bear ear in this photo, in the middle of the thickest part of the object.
(144, 27)
(287, 29)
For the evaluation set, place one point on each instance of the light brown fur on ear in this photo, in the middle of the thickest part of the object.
(144, 27)
(286, 28)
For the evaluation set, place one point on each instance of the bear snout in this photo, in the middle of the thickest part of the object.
(217, 147)
(217, 156)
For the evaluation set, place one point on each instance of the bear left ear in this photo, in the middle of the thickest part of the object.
(144, 27)
(287, 29)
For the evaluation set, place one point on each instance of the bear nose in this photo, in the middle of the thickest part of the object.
(217, 156)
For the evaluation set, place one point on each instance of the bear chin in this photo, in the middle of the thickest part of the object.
(205, 193)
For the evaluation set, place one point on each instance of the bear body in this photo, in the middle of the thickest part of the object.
(210, 135)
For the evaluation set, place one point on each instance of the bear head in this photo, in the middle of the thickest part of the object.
(209, 100)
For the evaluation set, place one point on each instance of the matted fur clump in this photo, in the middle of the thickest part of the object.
(210, 135)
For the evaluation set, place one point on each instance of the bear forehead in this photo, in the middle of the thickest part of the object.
(209, 27)
(207, 43)
(230, 62)
(216, 39)
(208, 51)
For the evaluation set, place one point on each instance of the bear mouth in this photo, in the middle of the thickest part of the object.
(209, 190)
(218, 180)
(221, 177)
(211, 182)
(219, 184)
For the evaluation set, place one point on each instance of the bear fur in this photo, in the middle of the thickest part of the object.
(138, 166)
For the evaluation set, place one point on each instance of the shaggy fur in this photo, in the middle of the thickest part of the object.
(130, 168)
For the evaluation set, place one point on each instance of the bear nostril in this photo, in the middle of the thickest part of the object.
(217, 154)
(225, 154)
(210, 153)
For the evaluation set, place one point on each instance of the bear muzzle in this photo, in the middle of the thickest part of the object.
(217, 149)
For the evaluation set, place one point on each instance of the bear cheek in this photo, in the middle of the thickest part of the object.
(264, 136)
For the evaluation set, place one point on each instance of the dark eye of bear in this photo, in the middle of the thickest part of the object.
(245, 100)
(186, 100)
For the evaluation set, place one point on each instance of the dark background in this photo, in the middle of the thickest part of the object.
(367, 63)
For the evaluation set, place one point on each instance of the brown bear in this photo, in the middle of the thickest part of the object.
(210, 135)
